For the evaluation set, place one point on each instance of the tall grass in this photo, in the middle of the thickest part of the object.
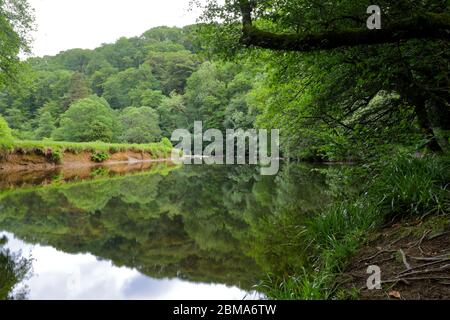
(77, 147)
(403, 187)
(413, 186)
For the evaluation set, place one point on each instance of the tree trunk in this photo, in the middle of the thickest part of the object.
(417, 98)
(441, 120)
(423, 119)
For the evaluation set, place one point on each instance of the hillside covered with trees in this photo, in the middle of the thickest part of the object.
(136, 90)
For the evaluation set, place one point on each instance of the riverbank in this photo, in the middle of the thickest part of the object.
(44, 155)
(397, 191)
(413, 257)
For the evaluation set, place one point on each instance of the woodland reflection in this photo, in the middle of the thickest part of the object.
(208, 224)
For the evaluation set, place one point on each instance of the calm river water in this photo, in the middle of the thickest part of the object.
(155, 231)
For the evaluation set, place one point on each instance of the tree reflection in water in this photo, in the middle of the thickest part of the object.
(13, 270)
(209, 224)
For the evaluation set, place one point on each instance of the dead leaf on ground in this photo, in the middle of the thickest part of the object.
(395, 294)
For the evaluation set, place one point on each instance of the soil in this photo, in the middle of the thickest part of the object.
(18, 161)
(414, 259)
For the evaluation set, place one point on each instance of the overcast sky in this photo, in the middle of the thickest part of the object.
(66, 24)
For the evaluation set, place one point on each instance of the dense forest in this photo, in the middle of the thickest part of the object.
(338, 92)
(136, 90)
(348, 103)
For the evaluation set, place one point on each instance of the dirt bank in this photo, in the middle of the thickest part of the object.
(37, 160)
(414, 259)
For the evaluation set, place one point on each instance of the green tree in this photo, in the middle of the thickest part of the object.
(78, 89)
(147, 97)
(16, 21)
(99, 78)
(172, 69)
(119, 88)
(13, 270)
(88, 119)
(216, 95)
(18, 120)
(33, 90)
(124, 54)
(46, 125)
(139, 125)
(5, 134)
(349, 63)
(172, 113)
(75, 60)
(49, 86)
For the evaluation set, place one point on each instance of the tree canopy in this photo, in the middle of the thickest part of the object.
(339, 66)
(89, 119)
(16, 21)
(139, 125)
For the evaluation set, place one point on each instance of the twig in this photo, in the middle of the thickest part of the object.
(405, 262)
(438, 235)
(443, 256)
(415, 279)
(425, 265)
(399, 239)
(376, 255)
(383, 260)
(418, 243)
(422, 218)
(444, 267)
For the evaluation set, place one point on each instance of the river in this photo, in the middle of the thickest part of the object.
(157, 231)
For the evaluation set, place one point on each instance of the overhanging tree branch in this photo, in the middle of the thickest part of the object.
(425, 25)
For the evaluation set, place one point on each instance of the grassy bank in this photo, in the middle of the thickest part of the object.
(399, 189)
(54, 151)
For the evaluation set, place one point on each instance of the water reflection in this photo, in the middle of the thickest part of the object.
(164, 232)
(58, 275)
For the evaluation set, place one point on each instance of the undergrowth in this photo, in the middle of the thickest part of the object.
(401, 188)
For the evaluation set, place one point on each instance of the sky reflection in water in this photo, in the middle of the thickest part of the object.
(58, 275)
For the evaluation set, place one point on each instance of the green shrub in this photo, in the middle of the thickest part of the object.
(166, 142)
(56, 155)
(6, 139)
(100, 157)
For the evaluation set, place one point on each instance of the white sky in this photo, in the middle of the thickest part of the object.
(67, 24)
